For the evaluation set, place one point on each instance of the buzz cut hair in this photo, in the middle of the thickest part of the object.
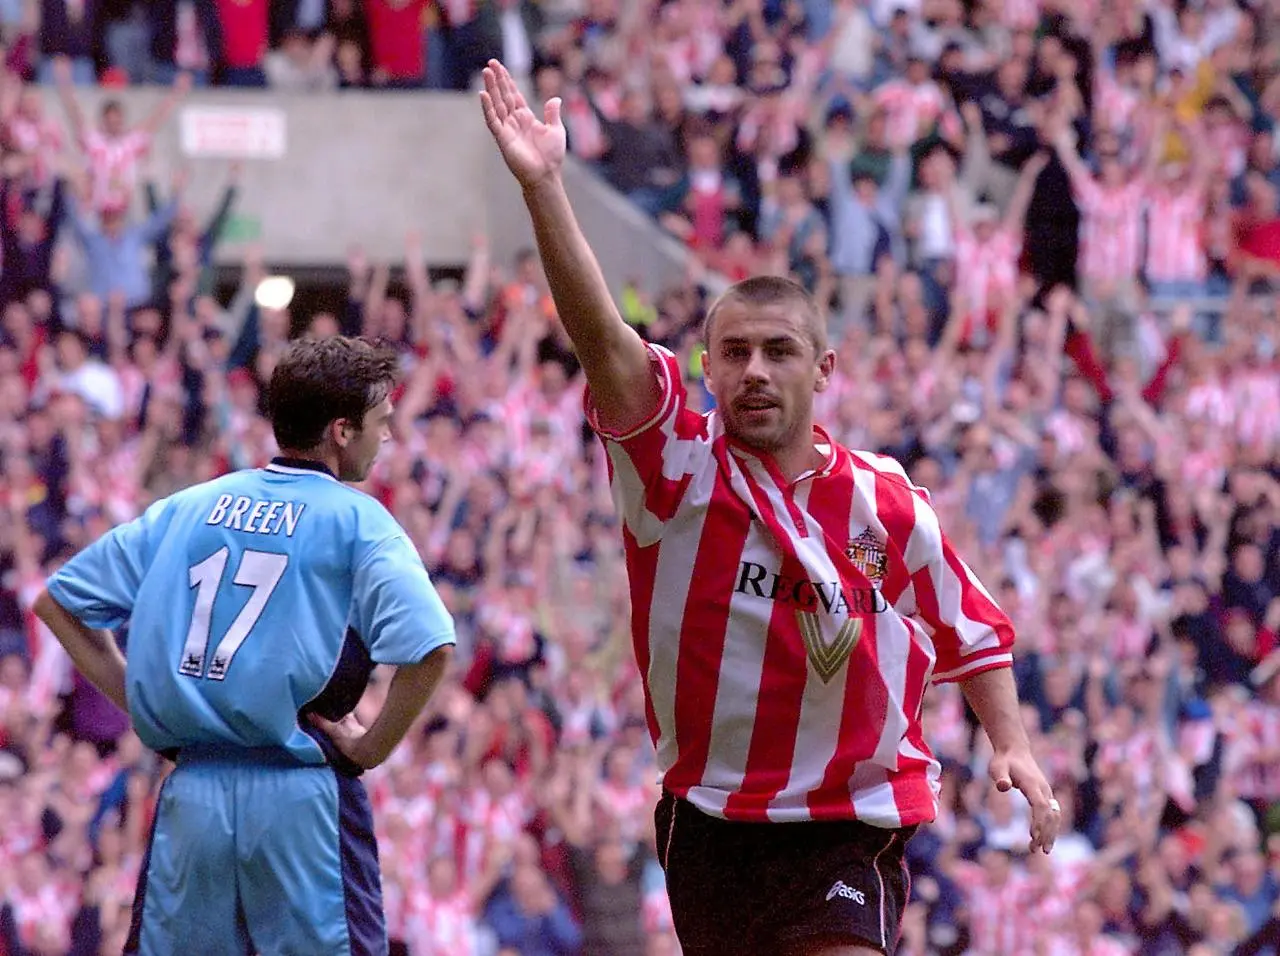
(762, 291)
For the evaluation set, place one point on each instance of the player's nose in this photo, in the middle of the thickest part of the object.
(757, 369)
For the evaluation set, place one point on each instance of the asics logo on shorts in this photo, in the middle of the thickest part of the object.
(848, 892)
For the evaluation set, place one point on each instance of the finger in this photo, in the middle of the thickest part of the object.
(999, 771)
(1046, 814)
(490, 113)
(552, 112)
(492, 94)
(510, 92)
(1053, 826)
(328, 726)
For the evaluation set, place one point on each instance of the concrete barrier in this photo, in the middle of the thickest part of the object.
(366, 168)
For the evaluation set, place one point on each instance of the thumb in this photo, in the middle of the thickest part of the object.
(551, 111)
(328, 726)
(999, 771)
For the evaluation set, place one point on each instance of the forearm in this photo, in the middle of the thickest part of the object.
(577, 284)
(411, 688)
(93, 652)
(994, 698)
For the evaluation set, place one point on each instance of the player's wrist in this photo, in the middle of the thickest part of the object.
(364, 755)
(542, 186)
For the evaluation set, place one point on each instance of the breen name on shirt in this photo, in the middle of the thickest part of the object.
(255, 516)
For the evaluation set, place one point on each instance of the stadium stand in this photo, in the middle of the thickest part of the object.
(1046, 234)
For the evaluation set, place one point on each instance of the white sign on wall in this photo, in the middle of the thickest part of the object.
(233, 132)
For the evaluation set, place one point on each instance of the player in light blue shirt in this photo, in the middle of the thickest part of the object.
(258, 604)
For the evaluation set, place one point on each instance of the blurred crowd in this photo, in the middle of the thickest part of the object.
(1045, 233)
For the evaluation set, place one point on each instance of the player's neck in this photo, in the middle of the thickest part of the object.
(316, 455)
(799, 457)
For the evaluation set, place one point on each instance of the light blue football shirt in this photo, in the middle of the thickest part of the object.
(252, 597)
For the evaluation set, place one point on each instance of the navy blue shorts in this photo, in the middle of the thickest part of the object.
(774, 889)
(259, 856)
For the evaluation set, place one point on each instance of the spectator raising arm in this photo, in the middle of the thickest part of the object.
(1015, 215)
(614, 357)
(164, 109)
(67, 94)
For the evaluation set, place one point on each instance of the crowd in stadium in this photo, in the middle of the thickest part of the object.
(1045, 231)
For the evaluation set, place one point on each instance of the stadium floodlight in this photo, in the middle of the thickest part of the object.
(274, 292)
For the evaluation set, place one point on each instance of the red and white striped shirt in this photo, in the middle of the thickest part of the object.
(41, 917)
(787, 631)
(440, 927)
(42, 140)
(1020, 14)
(1256, 394)
(113, 165)
(909, 109)
(1175, 236)
(1070, 945)
(986, 272)
(1115, 104)
(999, 919)
(1257, 773)
(1110, 229)
(1208, 400)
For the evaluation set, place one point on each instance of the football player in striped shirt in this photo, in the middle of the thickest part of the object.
(791, 601)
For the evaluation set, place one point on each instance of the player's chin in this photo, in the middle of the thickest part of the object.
(762, 432)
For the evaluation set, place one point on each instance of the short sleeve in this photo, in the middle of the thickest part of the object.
(650, 464)
(970, 632)
(99, 586)
(396, 607)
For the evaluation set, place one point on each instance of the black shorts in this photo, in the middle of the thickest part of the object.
(774, 889)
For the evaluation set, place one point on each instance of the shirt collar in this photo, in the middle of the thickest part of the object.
(281, 462)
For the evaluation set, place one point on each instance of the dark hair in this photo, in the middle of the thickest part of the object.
(112, 106)
(771, 290)
(318, 381)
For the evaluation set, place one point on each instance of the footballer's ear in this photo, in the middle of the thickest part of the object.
(705, 360)
(342, 431)
(826, 368)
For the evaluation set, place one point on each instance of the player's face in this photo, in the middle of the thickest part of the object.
(358, 455)
(763, 369)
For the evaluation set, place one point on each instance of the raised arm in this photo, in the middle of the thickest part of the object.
(614, 358)
(160, 115)
(67, 94)
(1064, 144)
(1015, 216)
(475, 287)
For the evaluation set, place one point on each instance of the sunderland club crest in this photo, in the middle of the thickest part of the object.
(867, 554)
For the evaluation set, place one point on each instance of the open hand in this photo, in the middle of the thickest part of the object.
(1019, 769)
(533, 149)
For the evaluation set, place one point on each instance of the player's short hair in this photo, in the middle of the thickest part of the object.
(771, 290)
(318, 381)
